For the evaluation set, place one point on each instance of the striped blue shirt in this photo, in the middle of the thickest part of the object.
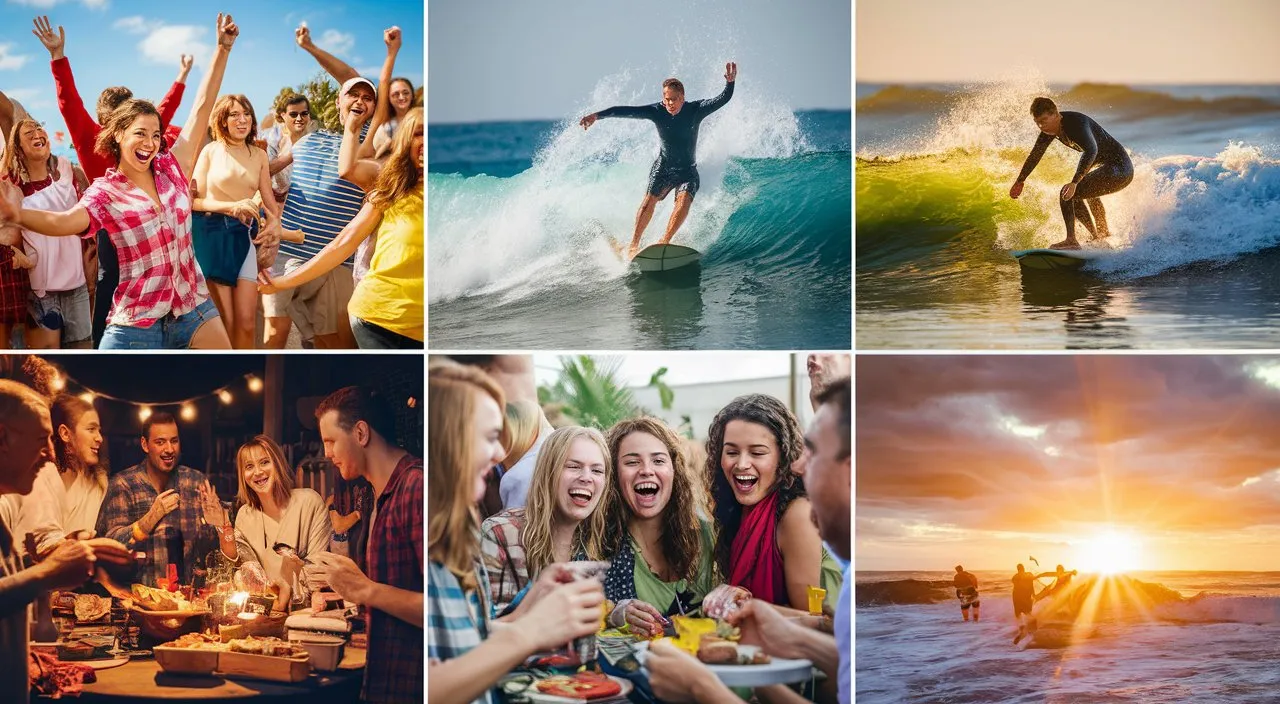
(457, 621)
(319, 203)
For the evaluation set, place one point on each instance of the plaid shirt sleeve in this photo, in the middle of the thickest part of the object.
(395, 655)
(504, 557)
(113, 518)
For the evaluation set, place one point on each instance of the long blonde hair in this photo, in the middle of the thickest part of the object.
(13, 165)
(399, 175)
(588, 536)
(283, 487)
(453, 536)
(524, 421)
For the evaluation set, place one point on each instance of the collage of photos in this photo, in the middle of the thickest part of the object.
(678, 352)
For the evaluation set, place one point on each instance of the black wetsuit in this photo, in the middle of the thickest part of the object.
(1024, 593)
(1114, 169)
(677, 165)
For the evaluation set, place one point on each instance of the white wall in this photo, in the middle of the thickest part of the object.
(701, 402)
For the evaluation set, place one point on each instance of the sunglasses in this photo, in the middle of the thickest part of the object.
(296, 115)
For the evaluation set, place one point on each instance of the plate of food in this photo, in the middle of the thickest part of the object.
(715, 643)
(577, 688)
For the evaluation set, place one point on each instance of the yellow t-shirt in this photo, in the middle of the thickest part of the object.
(391, 295)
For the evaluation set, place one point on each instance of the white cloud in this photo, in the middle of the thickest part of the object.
(10, 61)
(335, 42)
(136, 24)
(164, 43)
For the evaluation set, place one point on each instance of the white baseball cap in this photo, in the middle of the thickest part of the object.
(352, 82)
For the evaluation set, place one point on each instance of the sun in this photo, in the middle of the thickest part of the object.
(1110, 552)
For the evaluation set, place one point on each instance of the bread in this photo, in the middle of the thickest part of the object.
(91, 607)
(157, 599)
(714, 650)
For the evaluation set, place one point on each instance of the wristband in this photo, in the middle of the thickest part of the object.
(138, 535)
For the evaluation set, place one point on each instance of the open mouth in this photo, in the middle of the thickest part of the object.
(143, 156)
(581, 497)
(646, 493)
(260, 484)
(39, 143)
(168, 458)
(744, 483)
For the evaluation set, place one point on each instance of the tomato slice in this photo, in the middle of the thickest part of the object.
(584, 685)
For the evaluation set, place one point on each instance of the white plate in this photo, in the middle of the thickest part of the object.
(534, 695)
(780, 671)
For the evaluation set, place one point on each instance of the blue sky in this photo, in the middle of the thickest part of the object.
(514, 59)
(136, 44)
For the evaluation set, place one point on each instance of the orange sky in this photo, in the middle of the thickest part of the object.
(984, 460)
(1113, 41)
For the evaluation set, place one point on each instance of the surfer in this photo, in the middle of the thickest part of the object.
(1062, 579)
(1024, 598)
(1104, 167)
(676, 167)
(967, 592)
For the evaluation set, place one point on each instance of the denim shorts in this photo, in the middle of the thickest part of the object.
(220, 243)
(168, 333)
(64, 311)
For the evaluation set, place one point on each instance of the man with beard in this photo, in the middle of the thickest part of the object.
(358, 429)
(155, 507)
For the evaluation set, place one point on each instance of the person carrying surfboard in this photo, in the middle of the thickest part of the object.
(676, 167)
(1062, 579)
(966, 585)
(1104, 167)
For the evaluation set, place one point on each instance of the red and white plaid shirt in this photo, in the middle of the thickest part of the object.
(158, 273)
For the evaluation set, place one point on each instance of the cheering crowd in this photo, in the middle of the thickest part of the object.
(189, 232)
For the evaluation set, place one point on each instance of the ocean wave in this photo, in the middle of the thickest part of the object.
(928, 214)
(1124, 101)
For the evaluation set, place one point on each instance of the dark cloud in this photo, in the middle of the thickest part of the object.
(1165, 442)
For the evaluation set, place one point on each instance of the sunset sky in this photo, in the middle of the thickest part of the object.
(985, 460)
(1133, 41)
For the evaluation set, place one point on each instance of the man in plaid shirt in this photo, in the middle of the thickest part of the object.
(358, 430)
(155, 507)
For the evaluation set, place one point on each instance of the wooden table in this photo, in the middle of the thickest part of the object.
(143, 680)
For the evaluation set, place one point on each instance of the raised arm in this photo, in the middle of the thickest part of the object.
(392, 38)
(54, 224)
(706, 107)
(332, 65)
(80, 123)
(329, 258)
(168, 105)
(1033, 159)
(193, 132)
(6, 115)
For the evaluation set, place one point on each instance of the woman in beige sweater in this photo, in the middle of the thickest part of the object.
(271, 512)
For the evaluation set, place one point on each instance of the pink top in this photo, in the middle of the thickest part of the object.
(58, 262)
(158, 273)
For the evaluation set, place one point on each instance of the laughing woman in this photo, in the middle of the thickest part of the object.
(768, 543)
(67, 494)
(467, 654)
(661, 551)
(271, 512)
(560, 523)
(144, 204)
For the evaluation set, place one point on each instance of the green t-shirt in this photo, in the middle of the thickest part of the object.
(652, 590)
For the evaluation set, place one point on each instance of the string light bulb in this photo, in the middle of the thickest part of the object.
(225, 397)
(188, 412)
(58, 382)
(144, 413)
(87, 397)
(255, 384)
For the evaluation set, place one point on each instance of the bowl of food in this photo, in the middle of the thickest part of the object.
(191, 654)
(325, 651)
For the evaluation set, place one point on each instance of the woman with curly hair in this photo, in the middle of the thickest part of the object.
(661, 550)
(768, 543)
(560, 523)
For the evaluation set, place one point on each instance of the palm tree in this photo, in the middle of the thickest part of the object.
(589, 392)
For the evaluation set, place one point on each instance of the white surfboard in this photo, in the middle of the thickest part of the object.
(1055, 259)
(665, 257)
